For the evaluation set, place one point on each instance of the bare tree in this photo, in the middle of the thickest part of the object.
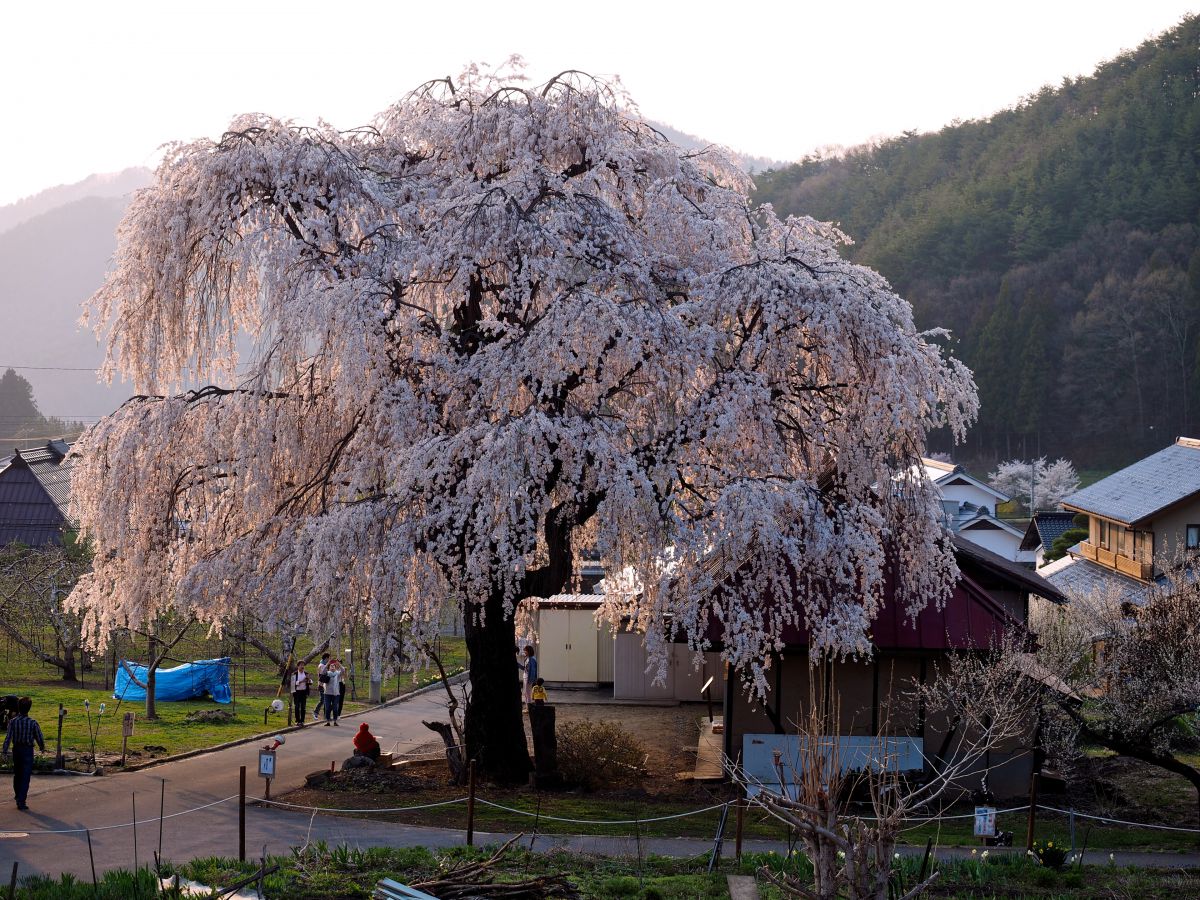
(33, 583)
(1130, 667)
(985, 698)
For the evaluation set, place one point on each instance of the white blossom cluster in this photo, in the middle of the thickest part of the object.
(502, 324)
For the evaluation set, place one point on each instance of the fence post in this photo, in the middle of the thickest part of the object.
(1032, 821)
(471, 804)
(12, 884)
(133, 797)
(737, 841)
(242, 815)
(1072, 821)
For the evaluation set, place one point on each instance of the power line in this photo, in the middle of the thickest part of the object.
(93, 369)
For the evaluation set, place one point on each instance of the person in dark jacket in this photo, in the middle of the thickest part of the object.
(23, 732)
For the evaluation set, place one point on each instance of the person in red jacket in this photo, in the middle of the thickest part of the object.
(365, 743)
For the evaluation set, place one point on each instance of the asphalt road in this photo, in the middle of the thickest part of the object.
(66, 803)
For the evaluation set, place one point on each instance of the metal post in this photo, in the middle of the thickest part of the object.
(135, 854)
(1072, 826)
(242, 814)
(471, 804)
(12, 883)
(1032, 821)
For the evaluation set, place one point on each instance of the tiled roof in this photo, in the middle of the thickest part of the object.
(1139, 491)
(1006, 568)
(1082, 579)
(35, 492)
(1045, 527)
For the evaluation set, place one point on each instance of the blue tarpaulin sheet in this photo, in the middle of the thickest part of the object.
(194, 679)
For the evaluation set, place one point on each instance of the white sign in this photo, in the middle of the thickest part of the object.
(266, 763)
(985, 821)
(127, 725)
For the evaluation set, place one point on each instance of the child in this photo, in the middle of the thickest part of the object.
(538, 694)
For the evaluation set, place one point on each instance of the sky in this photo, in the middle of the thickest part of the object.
(99, 86)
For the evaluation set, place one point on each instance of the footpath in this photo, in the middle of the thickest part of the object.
(198, 801)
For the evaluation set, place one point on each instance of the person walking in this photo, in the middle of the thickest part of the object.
(321, 679)
(301, 682)
(23, 732)
(333, 692)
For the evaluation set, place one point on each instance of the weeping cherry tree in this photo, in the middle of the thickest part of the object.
(502, 324)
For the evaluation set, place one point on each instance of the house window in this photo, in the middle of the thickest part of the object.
(1193, 537)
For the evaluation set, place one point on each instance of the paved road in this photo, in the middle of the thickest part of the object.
(64, 803)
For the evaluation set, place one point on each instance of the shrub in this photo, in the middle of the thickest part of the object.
(599, 754)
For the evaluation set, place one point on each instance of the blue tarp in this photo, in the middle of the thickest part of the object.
(194, 679)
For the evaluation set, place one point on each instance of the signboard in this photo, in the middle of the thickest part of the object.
(985, 821)
(266, 763)
(127, 725)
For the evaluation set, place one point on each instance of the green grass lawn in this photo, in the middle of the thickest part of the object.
(254, 681)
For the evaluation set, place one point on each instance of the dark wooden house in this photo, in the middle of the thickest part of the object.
(35, 492)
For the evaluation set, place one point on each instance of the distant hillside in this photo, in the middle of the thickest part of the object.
(687, 141)
(1058, 240)
(49, 265)
(117, 184)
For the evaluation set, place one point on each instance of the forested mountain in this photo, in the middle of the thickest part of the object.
(1058, 240)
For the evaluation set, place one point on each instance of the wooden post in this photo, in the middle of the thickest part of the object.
(1029, 825)
(58, 757)
(92, 858)
(242, 814)
(471, 804)
(162, 802)
(737, 840)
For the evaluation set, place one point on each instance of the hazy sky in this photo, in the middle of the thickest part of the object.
(95, 87)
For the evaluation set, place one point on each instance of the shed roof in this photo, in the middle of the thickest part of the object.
(1141, 490)
(1082, 579)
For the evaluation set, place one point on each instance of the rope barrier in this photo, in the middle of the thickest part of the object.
(390, 809)
(1067, 812)
(173, 815)
(548, 818)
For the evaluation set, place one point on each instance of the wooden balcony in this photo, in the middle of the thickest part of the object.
(1127, 565)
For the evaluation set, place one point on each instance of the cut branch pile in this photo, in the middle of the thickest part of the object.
(476, 879)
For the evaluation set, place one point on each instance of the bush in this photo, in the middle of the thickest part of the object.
(599, 754)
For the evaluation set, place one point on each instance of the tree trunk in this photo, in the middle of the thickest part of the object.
(151, 674)
(68, 667)
(493, 726)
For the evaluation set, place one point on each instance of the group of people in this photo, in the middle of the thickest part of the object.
(533, 688)
(331, 687)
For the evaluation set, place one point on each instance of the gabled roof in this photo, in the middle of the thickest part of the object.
(35, 493)
(989, 522)
(941, 473)
(1150, 485)
(1044, 528)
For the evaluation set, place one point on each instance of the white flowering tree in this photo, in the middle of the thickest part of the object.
(500, 324)
(1036, 483)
